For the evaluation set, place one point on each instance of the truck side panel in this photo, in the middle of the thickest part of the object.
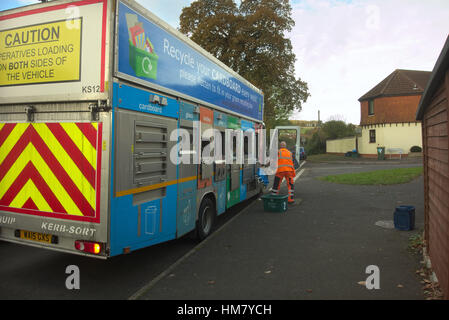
(144, 180)
(187, 171)
(220, 124)
(153, 54)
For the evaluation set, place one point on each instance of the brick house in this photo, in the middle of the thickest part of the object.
(433, 111)
(388, 114)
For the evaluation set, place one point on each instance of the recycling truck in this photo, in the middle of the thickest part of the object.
(104, 112)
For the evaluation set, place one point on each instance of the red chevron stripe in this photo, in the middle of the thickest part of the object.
(62, 175)
(15, 153)
(30, 172)
(89, 132)
(29, 204)
(30, 135)
(6, 130)
(73, 151)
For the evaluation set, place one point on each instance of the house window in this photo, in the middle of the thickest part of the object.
(372, 136)
(370, 107)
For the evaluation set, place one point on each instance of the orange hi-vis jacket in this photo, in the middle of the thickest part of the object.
(285, 161)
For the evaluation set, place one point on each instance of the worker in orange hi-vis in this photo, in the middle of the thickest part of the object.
(286, 169)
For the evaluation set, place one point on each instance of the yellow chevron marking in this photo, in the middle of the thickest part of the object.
(1, 126)
(67, 163)
(31, 154)
(81, 142)
(95, 124)
(12, 139)
(30, 190)
(14, 171)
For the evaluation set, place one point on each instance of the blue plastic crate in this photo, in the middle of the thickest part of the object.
(404, 218)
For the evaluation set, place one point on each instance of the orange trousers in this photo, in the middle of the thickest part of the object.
(289, 176)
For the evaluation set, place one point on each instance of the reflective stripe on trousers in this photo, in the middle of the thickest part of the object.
(290, 185)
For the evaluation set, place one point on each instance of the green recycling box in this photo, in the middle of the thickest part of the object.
(143, 62)
(275, 203)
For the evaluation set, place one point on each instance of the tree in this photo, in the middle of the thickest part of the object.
(317, 143)
(337, 129)
(330, 130)
(211, 24)
(250, 39)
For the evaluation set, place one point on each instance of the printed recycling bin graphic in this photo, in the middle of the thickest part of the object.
(142, 57)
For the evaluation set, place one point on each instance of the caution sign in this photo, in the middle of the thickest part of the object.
(42, 53)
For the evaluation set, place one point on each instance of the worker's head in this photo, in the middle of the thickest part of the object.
(283, 144)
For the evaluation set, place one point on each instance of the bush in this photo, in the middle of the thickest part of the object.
(337, 130)
(315, 145)
(415, 149)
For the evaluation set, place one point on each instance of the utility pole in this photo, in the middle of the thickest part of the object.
(319, 128)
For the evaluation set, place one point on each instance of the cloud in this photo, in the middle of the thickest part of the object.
(344, 48)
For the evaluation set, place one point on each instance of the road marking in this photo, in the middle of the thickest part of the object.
(300, 172)
(299, 175)
(139, 293)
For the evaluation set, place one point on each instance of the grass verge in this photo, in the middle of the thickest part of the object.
(378, 177)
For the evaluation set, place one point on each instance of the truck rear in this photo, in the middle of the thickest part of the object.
(94, 98)
(55, 125)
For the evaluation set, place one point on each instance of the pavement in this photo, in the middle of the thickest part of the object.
(319, 249)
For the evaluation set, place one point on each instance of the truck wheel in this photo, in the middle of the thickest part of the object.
(206, 217)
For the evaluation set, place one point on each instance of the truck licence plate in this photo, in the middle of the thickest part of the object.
(35, 236)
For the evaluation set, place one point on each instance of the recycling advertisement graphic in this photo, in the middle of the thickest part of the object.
(156, 55)
(142, 57)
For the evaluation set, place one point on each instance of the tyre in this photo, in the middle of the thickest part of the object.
(206, 219)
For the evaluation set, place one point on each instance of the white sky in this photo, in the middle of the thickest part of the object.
(345, 47)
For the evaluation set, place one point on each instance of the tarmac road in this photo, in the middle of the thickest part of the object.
(319, 249)
(33, 273)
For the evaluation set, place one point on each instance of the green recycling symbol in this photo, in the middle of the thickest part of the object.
(146, 65)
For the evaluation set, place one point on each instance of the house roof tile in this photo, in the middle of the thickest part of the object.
(400, 82)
